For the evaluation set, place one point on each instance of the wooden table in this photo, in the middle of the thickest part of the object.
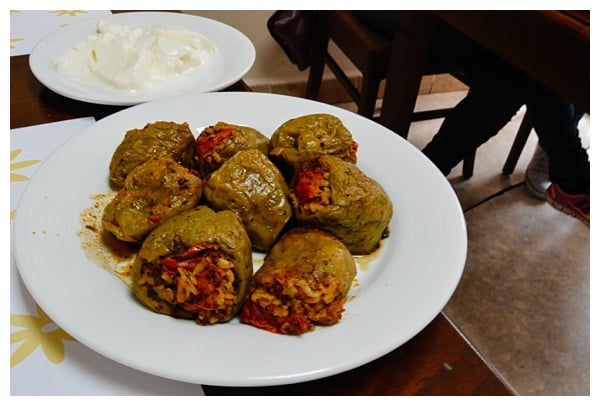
(550, 46)
(438, 361)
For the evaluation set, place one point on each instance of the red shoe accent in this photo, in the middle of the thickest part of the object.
(577, 205)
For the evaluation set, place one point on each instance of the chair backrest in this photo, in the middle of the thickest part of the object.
(371, 53)
(367, 50)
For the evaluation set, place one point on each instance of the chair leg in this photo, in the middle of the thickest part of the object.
(317, 64)
(518, 145)
(407, 65)
(342, 78)
(369, 91)
(468, 165)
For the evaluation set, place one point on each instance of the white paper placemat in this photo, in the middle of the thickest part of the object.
(27, 27)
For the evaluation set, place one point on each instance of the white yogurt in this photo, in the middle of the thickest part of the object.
(135, 58)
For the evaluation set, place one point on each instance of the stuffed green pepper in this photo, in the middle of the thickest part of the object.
(250, 185)
(153, 192)
(154, 140)
(303, 282)
(303, 137)
(197, 265)
(329, 193)
(219, 142)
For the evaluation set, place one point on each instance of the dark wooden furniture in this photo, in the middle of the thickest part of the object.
(438, 361)
(552, 46)
(371, 53)
(368, 51)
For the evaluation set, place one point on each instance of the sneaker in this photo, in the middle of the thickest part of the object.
(577, 205)
(537, 178)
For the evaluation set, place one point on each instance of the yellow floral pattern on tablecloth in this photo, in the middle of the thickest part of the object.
(13, 40)
(28, 27)
(16, 177)
(58, 13)
(37, 331)
(68, 12)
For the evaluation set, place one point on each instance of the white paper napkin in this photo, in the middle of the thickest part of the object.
(28, 27)
(44, 360)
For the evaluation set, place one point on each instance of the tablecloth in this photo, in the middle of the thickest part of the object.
(27, 27)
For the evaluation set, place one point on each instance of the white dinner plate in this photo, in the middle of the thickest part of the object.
(399, 290)
(234, 57)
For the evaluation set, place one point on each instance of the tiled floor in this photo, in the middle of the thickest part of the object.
(524, 299)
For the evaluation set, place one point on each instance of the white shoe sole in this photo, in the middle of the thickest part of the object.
(533, 190)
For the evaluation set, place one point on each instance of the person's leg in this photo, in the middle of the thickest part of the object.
(492, 101)
(555, 122)
(470, 124)
(537, 173)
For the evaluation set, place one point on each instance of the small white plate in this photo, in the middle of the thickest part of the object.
(399, 290)
(234, 57)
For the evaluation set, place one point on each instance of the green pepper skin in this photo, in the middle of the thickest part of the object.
(217, 143)
(250, 185)
(158, 139)
(355, 207)
(153, 192)
(306, 136)
(191, 228)
(303, 282)
(307, 249)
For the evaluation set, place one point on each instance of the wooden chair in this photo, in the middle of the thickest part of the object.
(368, 51)
(401, 62)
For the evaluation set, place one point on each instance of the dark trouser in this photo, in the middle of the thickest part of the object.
(497, 91)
